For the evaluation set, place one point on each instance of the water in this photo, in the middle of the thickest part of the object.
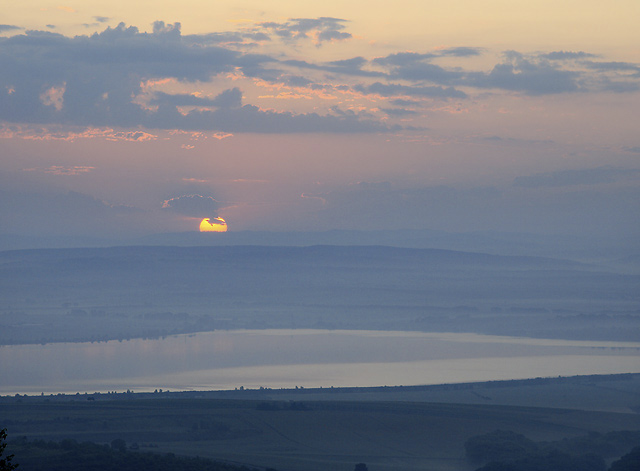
(308, 358)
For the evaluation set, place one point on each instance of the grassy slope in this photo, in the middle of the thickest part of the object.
(327, 436)
(606, 393)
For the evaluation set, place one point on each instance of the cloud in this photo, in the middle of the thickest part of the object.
(249, 180)
(192, 205)
(566, 55)
(517, 73)
(236, 39)
(114, 78)
(231, 98)
(462, 51)
(619, 86)
(617, 77)
(415, 66)
(402, 102)
(417, 71)
(399, 111)
(71, 133)
(365, 204)
(4, 28)
(318, 29)
(318, 199)
(229, 115)
(50, 213)
(96, 80)
(250, 118)
(591, 176)
(96, 76)
(530, 74)
(101, 19)
(137, 136)
(179, 99)
(403, 58)
(295, 80)
(62, 170)
(585, 209)
(617, 66)
(389, 90)
(351, 67)
(514, 141)
(521, 74)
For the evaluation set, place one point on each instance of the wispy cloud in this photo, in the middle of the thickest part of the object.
(590, 176)
(192, 205)
(62, 170)
(4, 28)
(566, 55)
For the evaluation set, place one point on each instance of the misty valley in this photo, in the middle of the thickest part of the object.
(71, 295)
(317, 358)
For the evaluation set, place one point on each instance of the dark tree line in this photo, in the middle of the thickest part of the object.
(510, 451)
(629, 462)
(70, 455)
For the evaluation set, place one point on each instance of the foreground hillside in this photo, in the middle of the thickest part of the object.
(299, 434)
(114, 293)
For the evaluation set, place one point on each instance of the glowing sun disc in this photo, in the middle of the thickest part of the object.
(213, 225)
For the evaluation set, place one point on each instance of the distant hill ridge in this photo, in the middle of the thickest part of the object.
(575, 247)
(322, 254)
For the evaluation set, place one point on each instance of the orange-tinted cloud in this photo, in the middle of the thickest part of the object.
(60, 133)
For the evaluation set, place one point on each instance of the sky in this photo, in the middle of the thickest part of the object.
(122, 119)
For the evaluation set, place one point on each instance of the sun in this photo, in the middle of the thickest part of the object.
(213, 225)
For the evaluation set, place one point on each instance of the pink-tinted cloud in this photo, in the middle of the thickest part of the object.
(62, 170)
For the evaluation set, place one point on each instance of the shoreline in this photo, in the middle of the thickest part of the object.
(283, 394)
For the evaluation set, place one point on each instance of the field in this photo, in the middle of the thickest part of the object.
(294, 430)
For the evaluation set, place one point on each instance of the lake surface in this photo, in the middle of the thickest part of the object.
(309, 358)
